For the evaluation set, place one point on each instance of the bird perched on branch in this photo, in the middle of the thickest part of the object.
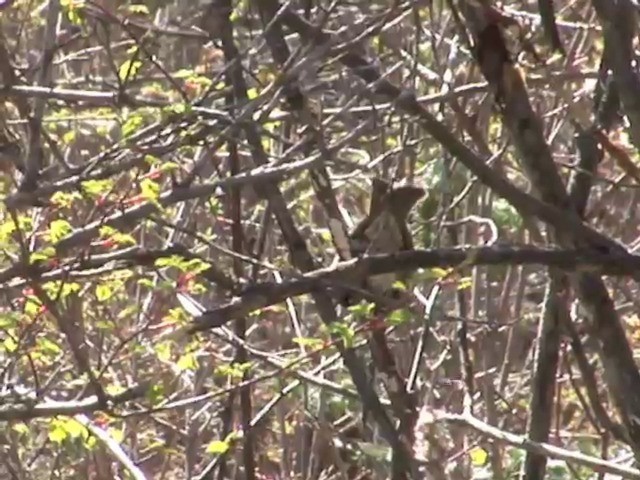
(384, 230)
(11, 142)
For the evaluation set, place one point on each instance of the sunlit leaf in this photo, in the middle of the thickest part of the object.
(129, 69)
(478, 456)
(96, 188)
(150, 189)
(58, 229)
(465, 283)
(309, 342)
(218, 447)
(187, 362)
(57, 434)
(103, 292)
(163, 350)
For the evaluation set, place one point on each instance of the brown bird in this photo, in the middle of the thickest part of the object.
(385, 229)
(11, 142)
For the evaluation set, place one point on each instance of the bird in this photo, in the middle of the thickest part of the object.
(12, 143)
(384, 230)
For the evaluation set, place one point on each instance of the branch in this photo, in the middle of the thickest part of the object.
(131, 215)
(338, 276)
(619, 22)
(596, 464)
(113, 446)
(406, 101)
(28, 409)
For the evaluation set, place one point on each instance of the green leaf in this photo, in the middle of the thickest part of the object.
(106, 231)
(72, 8)
(150, 189)
(163, 350)
(103, 292)
(379, 452)
(172, 261)
(440, 272)
(9, 320)
(57, 434)
(155, 394)
(138, 8)
(184, 73)
(215, 207)
(6, 229)
(188, 362)
(233, 370)
(194, 265)
(178, 108)
(90, 443)
(42, 255)
(344, 331)
(9, 345)
(399, 317)
(361, 310)
(218, 447)
(169, 167)
(62, 428)
(309, 342)
(465, 283)
(58, 229)
(96, 188)
(20, 428)
(64, 199)
(60, 289)
(68, 137)
(116, 236)
(76, 429)
(146, 282)
(505, 215)
(129, 69)
(252, 93)
(478, 456)
(132, 124)
(48, 347)
(32, 307)
(116, 433)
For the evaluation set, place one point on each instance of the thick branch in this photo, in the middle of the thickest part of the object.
(339, 276)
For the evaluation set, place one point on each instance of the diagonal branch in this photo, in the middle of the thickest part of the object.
(526, 129)
(406, 101)
(552, 451)
(619, 20)
(303, 261)
(621, 372)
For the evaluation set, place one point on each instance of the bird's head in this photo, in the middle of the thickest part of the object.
(402, 199)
